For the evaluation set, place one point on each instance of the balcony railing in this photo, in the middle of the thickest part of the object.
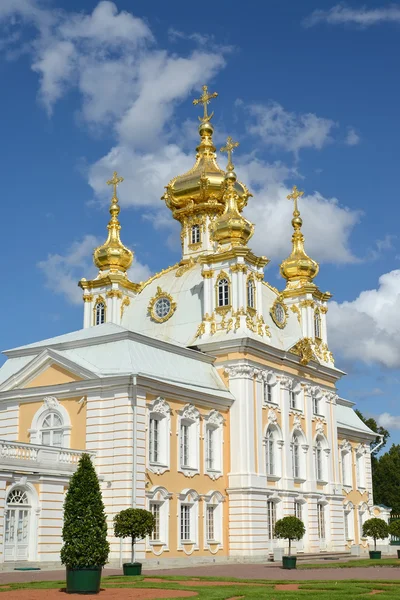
(43, 459)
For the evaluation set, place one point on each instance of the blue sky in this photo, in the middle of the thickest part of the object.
(311, 91)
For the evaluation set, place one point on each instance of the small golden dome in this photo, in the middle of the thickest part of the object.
(298, 267)
(113, 256)
(231, 227)
(201, 189)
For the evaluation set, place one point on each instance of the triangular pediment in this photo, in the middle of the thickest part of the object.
(48, 368)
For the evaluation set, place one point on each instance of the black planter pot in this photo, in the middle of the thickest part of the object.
(289, 562)
(398, 553)
(375, 554)
(132, 569)
(83, 580)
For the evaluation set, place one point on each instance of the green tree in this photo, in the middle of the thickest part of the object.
(134, 523)
(372, 424)
(85, 525)
(290, 528)
(386, 479)
(376, 528)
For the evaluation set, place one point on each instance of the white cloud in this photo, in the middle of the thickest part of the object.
(326, 225)
(287, 130)
(388, 421)
(352, 137)
(63, 271)
(364, 17)
(368, 328)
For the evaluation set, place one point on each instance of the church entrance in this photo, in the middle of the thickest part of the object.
(17, 520)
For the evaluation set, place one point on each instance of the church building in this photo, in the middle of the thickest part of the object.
(203, 394)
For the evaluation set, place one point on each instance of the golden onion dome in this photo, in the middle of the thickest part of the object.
(231, 227)
(200, 190)
(113, 256)
(298, 267)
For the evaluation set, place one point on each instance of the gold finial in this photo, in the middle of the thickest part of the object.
(298, 267)
(114, 182)
(229, 148)
(295, 195)
(204, 100)
(113, 256)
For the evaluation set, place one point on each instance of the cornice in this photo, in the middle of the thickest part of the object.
(108, 280)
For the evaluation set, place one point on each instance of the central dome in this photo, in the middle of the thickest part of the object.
(201, 189)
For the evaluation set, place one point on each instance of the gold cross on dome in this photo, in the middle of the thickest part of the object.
(114, 182)
(295, 195)
(229, 148)
(204, 100)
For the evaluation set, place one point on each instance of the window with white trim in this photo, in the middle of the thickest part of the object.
(321, 521)
(100, 313)
(158, 505)
(189, 439)
(251, 293)
(316, 402)
(360, 469)
(195, 234)
(155, 511)
(346, 467)
(319, 472)
(188, 518)
(213, 438)
(213, 507)
(298, 510)
(295, 447)
(159, 423)
(185, 522)
(270, 457)
(51, 431)
(317, 325)
(223, 292)
(267, 392)
(292, 399)
(271, 519)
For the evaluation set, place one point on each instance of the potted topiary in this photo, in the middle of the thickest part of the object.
(394, 530)
(85, 550)
(134, 523)
(289, 528)
(378, 529)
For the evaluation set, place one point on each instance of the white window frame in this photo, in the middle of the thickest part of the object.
(349, 522)
(270, 389)
(223, 292)
(160, 496)
(189, 417)
(195, 234)
(321, 521)
(273, 440)
(298, 509)
(213, 424)
(360, 468)
(271, 519)
(214, 500)
(300, 474)
(189, 498)
(159, 410)
(100, 311)
(317, 325)
(251, 293)
(50, 405)
(321, 459)
(346, 455)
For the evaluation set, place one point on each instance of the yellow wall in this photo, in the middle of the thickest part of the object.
(53, 375)
(176, 482)
(77, 414)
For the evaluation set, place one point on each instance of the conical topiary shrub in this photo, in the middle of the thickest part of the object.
(85, 550)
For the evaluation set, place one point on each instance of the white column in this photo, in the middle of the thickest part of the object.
(87, 313)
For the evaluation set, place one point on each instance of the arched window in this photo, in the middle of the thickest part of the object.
(223, 292)
(213, 518)
(100, 313)
(321, 452)
(195, 236)
(251, 293)
(158, 504)
(296, 470)
(317, 324)
(159, 424)
(51, 432)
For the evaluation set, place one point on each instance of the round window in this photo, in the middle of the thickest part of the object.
(162, 307)
(280, 313)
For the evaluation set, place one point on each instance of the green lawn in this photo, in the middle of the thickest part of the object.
(350, 564)
(308, 590)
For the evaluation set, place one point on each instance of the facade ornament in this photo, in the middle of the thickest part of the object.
(286, 382)
(345, 446)
(51, 402)
(160, 406)
(161, 306)
(304, 349)
(214, 418)
(241, 370)
(297, 423)
(272, 418)
(331, 397)
(319, 427)
(190, 412)
(295, 309)
(186, 266)
(125, 302)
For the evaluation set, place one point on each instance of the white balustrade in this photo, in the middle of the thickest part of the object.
(45, 456)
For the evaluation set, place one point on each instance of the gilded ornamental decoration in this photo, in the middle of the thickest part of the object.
(161, 306)
(279, 313)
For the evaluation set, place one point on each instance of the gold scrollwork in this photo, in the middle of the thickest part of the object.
(295, 309)
(114, 294)
(87, 297)
(125, 302)
(152, 305)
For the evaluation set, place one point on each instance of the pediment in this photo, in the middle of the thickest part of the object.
(46, 369)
